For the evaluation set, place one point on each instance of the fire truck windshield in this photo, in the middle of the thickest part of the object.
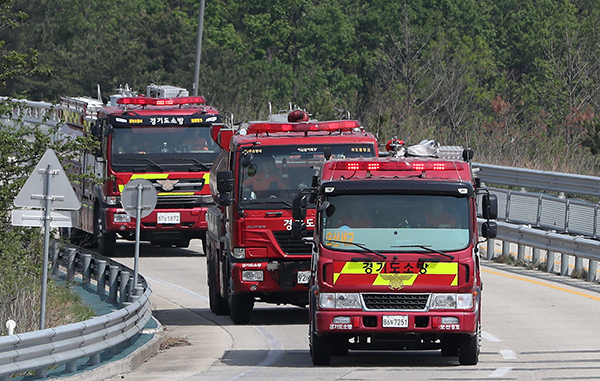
(276, 173)
(396, 223)
(166, 148)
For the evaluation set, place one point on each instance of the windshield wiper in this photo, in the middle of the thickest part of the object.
(360, 245)
(155, 164)
(197, 162)
(429, 249)
(269, 201)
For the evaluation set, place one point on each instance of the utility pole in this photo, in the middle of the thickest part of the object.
(198, 48)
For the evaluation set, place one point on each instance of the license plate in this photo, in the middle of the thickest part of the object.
(303, 277)
(396, 321)
(168, 218)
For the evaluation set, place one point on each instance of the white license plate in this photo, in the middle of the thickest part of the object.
(396, 321)
(303, 277)
(168, 218)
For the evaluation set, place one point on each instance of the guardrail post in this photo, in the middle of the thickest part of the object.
(87, 269)
(506, 248)
(491, 244)
(550, 261)
(564, 264)
(521, 252)
(41, 373)
(94, 359)
(71, 366)
(537, 255)
(593, 268)
(101, 285)
(113, 283)
(71, 253)
(578, 265)
(123, 288)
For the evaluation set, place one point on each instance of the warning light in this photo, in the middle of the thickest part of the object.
(146, 101)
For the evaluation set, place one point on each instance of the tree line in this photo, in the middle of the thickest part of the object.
(517, 80)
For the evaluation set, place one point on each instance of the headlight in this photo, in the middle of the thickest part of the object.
(339, 300)
(252, 275)
(239, 252)
(111, 200)
(121, 218)
(451, 301)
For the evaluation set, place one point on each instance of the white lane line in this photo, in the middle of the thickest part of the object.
(507, 354)
(276, 348)
(272, 357)
(490, 337)
(500, 372)
(192, 293)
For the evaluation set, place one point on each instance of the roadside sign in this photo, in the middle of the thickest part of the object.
(35, 218)
(32, 195)
(129, 197)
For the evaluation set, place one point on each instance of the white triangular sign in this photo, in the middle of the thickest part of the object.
(32, 195)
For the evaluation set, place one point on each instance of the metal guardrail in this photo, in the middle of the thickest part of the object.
(542, 180)
(541, 221)
(32, 112)
(39, 350)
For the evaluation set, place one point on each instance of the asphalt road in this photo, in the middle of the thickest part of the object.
(536, 326)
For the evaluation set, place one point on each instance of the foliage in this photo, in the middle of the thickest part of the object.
(515, 79)
(21, 147)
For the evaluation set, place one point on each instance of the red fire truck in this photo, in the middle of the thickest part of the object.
(163, 137)
(395, 260)
(251, 254)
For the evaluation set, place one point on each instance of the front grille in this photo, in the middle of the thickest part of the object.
(411, 302)
(290, 245)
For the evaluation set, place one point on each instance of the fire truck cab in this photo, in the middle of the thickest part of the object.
(251, 254)
(395, 260)
(163, 137)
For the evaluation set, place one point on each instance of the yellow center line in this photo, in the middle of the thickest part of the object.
(543, 284)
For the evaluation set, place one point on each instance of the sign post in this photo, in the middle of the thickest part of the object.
(139, 200)
(58, 194)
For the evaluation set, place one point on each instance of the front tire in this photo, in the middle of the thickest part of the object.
(469, 349)
(107, 241)
(240, 306)
(218, 304)
(320, 346)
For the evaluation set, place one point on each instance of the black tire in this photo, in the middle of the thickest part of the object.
(450, 347)
(320, 346)
(240, 306)
(218, 304)
(106, 241)
(469, 349)
(339, 346)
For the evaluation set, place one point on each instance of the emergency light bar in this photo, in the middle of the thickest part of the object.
(397, 166)
(338, 125)
(146, 101)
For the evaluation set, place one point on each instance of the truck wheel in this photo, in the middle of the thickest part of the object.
(107, 241)
(339, 346)
(240, 306)
(469, 349)
(450, 346)
(218, 304)
(320, 347)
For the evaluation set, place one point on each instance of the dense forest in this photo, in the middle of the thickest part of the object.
(517, 80)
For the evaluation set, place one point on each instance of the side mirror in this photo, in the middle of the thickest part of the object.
(108, 130)
(96, 130)
(246, 159)
(224, 181)
(468, 154)
(299, 208)
(489, 206)
(489, 229)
